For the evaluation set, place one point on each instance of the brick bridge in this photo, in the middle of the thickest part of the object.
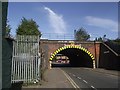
(88, 52)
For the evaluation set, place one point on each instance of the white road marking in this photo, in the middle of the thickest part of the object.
(78, 77)
(92, 87)
(71, 81)
(85, 81)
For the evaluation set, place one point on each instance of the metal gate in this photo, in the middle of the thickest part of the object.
(26, 59)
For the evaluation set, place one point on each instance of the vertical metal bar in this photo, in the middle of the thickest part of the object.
(32, 59)
(15, 60)
(30, 69)
(12, 63)
(27, 59)
(18, 61)
(16, 66)
(18, 46)
(21, 61)
(24, 59)
(24, 62)
(24, 71)
(30, 62)
(20, 69)
(27, 52)
(38, 57)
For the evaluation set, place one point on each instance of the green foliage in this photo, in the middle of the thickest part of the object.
(82, 35)
(116, 41)
(8, 29)
(28, 27)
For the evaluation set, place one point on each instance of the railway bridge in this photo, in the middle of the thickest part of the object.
(84, 54)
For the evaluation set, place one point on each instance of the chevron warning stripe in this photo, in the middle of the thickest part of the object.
(72, 46)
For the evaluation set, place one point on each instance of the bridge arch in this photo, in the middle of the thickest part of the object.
(74, 47)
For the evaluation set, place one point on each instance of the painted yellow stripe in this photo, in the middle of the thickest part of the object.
(69, 47)
(91, 54)
(63, 48)
(60, 49)
(88, 52)
(72, 46)
(66, 46)
(85, 50)
(51, 56)
(81, 48)
(56, 51)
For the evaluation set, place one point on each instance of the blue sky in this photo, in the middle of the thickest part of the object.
(97, 18)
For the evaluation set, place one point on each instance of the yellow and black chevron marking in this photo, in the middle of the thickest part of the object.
(72, 46)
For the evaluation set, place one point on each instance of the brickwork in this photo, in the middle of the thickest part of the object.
(54, 45)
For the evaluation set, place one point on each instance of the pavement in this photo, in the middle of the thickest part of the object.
(54, 78)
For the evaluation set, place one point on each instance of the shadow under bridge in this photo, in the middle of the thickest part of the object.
(78, 57)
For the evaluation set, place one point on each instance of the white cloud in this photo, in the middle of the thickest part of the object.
(107, 24)
(56, 21)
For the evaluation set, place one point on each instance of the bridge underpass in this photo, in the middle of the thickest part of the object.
(77, 58)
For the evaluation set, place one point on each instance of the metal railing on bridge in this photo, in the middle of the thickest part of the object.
(58, 36)
(26, 59)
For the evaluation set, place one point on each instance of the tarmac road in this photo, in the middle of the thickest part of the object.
(92, 80)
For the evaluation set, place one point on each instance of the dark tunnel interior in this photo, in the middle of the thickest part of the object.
(77, 58)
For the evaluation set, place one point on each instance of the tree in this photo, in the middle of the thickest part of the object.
(8, 29)
(82, 35)
(116, 41)
(28, 27)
